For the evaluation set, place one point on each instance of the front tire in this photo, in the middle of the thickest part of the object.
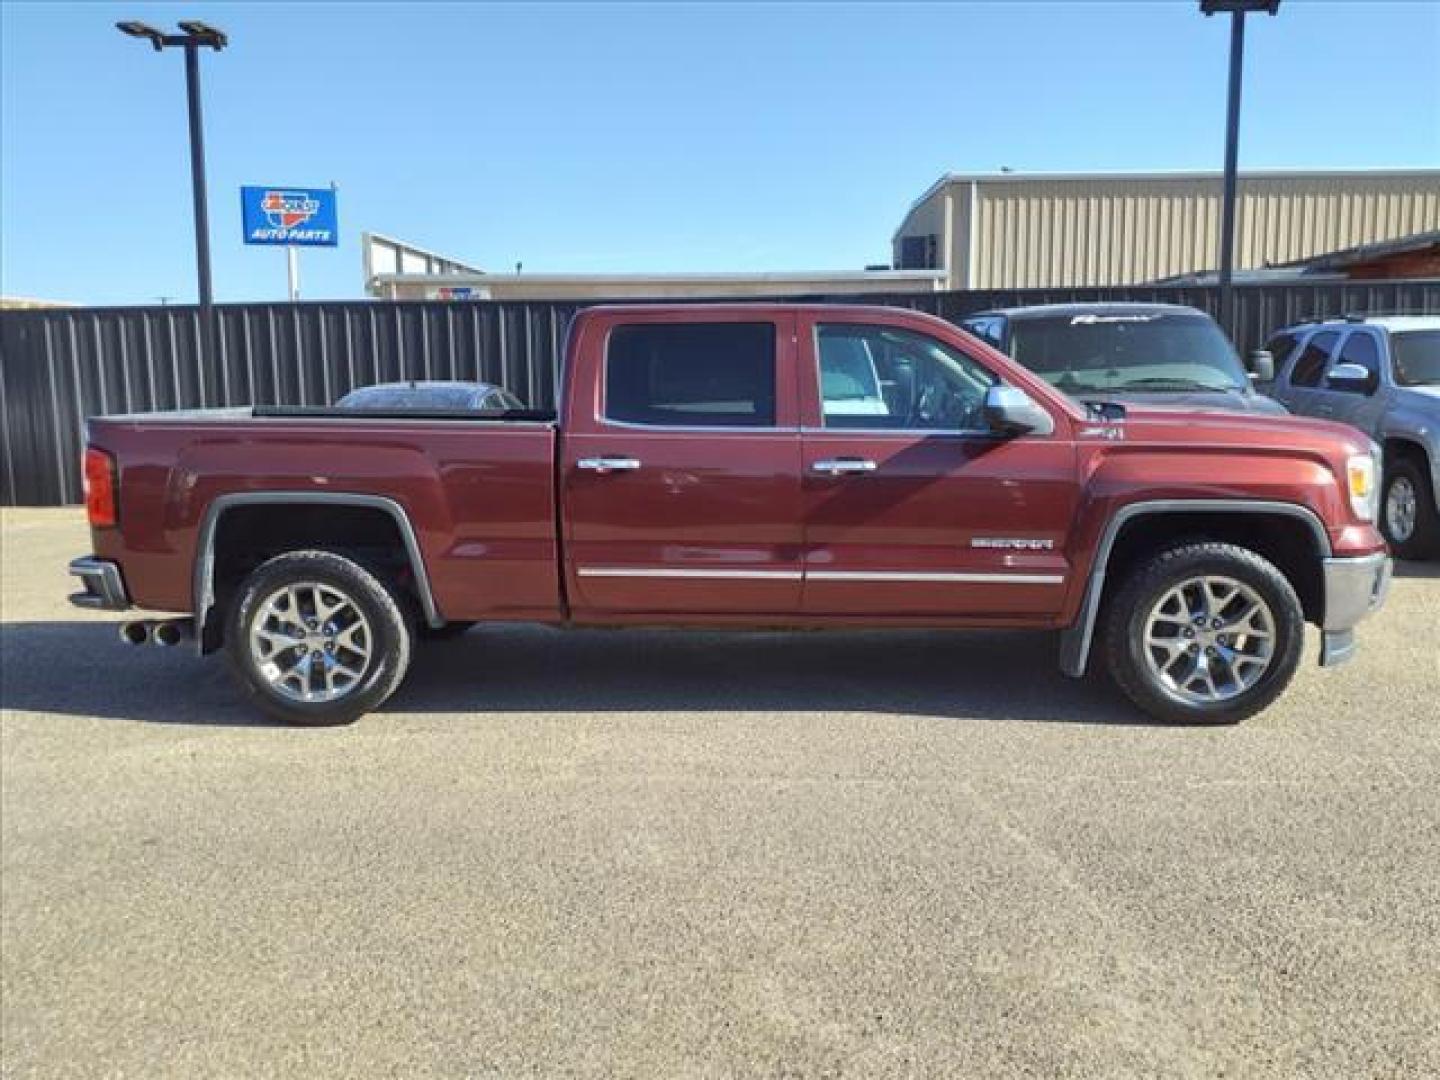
(316, 639)
(1205, 633)
(1408, 516)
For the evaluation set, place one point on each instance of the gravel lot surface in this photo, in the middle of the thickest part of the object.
(693, 855)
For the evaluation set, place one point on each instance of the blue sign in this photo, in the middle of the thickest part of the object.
(290, 216)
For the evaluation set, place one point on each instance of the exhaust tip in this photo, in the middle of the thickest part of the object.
(135, 632)
(168, 633)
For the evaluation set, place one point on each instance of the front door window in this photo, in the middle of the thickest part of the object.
(882, 378)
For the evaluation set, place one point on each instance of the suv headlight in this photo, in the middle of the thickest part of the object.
(1362, 478)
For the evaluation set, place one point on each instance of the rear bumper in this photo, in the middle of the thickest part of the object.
(104, 588)
(1353, 589)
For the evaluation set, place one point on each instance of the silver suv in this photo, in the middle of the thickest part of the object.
(1382, 375)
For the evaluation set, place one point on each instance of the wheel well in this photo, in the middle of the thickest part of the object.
(1409, 450)
(244, 537)
(1287, 542)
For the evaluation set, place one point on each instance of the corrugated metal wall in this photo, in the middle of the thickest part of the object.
(59, 366)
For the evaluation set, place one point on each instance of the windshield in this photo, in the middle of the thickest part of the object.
(1150, 351)
(1417, 357)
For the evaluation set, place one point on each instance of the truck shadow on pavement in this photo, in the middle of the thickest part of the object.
(979, 675)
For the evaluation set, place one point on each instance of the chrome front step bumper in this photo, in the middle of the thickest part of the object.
(1354, 588)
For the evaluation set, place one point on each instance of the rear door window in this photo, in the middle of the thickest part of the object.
(691, 374)
(1314, 359)
(1417, 357)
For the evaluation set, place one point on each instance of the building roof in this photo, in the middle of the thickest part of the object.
(1364, 253)
(1327, 266)
(22, 303)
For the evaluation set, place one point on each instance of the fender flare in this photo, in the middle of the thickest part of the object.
(1077, 638)
(203, 583)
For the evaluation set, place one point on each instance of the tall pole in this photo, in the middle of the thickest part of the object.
(292, 266)
(195, 36)
(1232, 149)
(197, 180)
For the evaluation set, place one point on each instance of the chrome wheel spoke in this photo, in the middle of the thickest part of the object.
(327, 603)
(1252, 624)
(353, 637)
(277, 640)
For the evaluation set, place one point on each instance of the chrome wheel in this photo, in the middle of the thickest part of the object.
(1209, 639)
(311, 642)
(1401, 506)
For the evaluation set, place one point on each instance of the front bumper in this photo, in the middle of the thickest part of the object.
(1354, 588)
(104, 587)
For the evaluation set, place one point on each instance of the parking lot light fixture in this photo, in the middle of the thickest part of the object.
(143, 30)
(193, 37)
(1237, 10)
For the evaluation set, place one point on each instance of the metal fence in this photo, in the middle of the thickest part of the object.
(59, 366)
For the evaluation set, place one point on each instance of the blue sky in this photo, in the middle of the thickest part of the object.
(623, 138)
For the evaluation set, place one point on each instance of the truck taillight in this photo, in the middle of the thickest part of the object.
(100, 488)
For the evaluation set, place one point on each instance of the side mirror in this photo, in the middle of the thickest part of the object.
(1008, 410)
(1350, 378)
(1262, 366)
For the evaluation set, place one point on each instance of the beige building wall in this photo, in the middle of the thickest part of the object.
(1045, 231)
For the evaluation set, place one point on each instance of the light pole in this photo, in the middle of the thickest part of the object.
(1237, 10)
(194, 37)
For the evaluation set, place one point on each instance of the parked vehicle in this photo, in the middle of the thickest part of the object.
(1382, 375)
(430, 397)
(745, 466)
(1142, 354)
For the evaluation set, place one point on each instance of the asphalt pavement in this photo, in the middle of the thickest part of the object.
(674, 854)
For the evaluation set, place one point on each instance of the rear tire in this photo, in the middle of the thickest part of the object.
(1205, 633)
(1408, 516)
(315, 639)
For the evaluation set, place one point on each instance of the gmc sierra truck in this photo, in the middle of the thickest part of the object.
(746, 466)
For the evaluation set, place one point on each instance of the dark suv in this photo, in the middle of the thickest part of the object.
(1146, 354)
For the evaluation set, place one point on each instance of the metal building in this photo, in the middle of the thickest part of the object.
(1012, 230)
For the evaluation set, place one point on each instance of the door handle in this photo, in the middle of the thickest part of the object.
(843, 466)
(606, 465)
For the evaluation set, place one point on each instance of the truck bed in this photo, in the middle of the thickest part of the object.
(478, 491)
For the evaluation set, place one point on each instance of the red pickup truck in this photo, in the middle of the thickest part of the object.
(740, 466)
